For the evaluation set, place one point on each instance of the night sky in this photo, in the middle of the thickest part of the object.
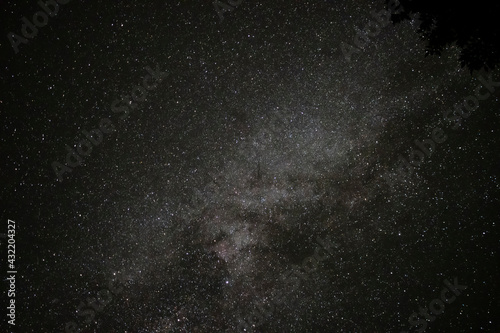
(176, 166)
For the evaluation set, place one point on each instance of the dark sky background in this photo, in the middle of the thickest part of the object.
(260, 138)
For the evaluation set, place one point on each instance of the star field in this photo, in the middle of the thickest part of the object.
(256, 148)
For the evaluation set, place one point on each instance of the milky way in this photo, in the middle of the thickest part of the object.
(262, 144)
